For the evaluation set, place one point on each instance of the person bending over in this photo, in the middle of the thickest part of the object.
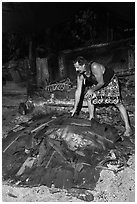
(100, 85)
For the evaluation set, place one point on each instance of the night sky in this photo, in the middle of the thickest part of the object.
(34, 16)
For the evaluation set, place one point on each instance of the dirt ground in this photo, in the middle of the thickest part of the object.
(110, 187)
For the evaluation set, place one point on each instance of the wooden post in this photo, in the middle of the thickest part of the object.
(61, 67)
(32, 82)
(131, 58)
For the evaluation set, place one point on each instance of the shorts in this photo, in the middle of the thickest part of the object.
(109, 94)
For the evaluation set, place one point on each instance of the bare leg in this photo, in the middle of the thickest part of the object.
(91, 109)
(125, 118)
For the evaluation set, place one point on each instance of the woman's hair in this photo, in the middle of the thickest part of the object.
(81, 60)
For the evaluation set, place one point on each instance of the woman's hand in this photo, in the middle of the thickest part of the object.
(72, 112)
(90, 93)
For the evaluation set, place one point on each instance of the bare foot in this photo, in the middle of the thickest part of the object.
(128, 132)
(90, 118)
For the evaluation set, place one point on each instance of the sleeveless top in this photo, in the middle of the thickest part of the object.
(91, 80)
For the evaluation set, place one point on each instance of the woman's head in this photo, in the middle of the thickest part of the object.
(81, 60)
(80, 64)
